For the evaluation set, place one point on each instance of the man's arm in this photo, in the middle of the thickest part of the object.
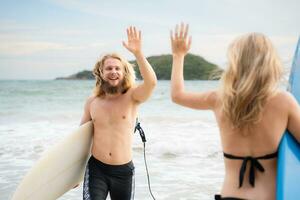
(86, 113)
(180, 47)
(86, 117)
(143, 91)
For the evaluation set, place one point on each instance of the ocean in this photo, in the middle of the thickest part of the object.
(183, 149)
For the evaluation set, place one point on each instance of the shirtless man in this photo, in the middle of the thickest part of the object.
(113, 110)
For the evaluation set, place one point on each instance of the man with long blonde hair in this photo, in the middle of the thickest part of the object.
(113, 110)
(249, 110)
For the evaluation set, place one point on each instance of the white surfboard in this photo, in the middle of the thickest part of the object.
(59, 169)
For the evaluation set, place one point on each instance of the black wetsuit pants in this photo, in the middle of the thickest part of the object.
(101, 179)
(218, 197)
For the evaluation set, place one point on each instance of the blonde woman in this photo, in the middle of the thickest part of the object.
(251, 112)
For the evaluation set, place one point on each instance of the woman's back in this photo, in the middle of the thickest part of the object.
(261, 139)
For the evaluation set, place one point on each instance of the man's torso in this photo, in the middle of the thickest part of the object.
(114, 121)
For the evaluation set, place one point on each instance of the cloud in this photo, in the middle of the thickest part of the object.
(86, 29)
(27, 48)
(21, 39)
(285, 46)
(123, 11)
(214, 47)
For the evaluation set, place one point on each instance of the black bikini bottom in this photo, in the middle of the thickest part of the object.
(219, 197)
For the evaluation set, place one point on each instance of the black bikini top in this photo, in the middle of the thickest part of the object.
(254, 163)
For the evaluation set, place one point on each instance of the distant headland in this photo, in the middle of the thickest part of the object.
(195, 68)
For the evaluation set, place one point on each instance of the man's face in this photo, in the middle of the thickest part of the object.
(113, 72)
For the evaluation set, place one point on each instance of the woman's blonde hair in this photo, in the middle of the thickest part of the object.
(129, 74)
(252, 76)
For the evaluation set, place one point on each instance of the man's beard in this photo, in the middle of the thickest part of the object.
(109, 89)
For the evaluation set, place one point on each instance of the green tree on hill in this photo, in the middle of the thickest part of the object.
(195, 68)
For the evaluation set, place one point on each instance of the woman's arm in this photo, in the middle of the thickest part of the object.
(181, 44)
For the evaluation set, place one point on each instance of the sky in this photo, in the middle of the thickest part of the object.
(45, 39)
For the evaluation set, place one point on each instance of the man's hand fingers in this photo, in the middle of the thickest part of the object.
(189, 42)
(186, 31)
(135, 32)
(176, 31)
(181, 30)
(171, 36)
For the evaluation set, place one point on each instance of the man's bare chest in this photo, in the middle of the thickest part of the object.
(109, 112)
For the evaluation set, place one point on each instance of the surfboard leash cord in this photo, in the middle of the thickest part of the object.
(143, 137)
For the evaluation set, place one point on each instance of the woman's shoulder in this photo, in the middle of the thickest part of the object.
(284, 99)
(215, 97)
(284, 95)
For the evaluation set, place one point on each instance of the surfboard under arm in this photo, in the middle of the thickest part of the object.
(59, 169)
